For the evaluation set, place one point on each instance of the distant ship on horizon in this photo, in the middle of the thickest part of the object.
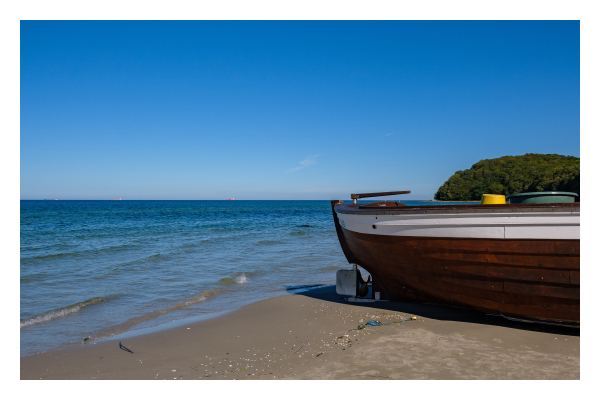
(116, 199)
(230, 199)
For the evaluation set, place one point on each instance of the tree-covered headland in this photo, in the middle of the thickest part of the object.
(513, 174)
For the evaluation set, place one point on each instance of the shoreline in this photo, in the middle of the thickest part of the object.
(130, 333)
(314, 335)
(162, 323)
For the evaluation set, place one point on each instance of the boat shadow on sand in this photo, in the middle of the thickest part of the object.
(438, 312)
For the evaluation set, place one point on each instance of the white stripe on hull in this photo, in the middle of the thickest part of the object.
(564, 225)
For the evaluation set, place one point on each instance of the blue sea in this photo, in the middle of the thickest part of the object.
(95, 269)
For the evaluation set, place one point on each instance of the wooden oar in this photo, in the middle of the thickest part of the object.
(364, 195)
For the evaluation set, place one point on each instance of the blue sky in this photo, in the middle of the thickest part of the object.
(286, 110)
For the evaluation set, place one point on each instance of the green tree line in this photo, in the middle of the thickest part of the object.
(513, 174)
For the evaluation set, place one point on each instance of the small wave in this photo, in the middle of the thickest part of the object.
(153, 257)
(330, 268)
(298, 233)
(121, 247)
(224, 229)
(241, 279)
(63, 311)
(200, 297)
(238, 279)
(267, 242)
(139, 261)
(196, 299)
(46, 257)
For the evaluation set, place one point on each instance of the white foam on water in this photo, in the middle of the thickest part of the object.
(62, 312)
(241, 279)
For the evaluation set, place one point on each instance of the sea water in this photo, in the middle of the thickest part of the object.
(95, 269)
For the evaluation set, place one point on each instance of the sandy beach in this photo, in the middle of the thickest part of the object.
(315, 335)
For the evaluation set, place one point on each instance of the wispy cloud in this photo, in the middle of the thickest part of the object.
(307, 162)
(387, 134)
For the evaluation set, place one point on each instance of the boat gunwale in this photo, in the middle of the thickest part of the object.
(458, 209)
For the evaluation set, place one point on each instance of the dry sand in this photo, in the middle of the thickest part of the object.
(314, 335)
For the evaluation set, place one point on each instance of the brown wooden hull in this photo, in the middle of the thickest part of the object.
(534, 279)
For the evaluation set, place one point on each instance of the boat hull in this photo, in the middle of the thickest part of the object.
(532, 279)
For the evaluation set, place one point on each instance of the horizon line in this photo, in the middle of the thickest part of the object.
(206, 199)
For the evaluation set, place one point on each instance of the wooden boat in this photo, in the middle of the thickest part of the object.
(517, 260)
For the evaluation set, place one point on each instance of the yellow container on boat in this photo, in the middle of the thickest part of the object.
(493, 199)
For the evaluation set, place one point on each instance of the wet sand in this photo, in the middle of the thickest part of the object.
(314, 335)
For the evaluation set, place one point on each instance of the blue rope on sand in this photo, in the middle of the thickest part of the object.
(374, 322)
